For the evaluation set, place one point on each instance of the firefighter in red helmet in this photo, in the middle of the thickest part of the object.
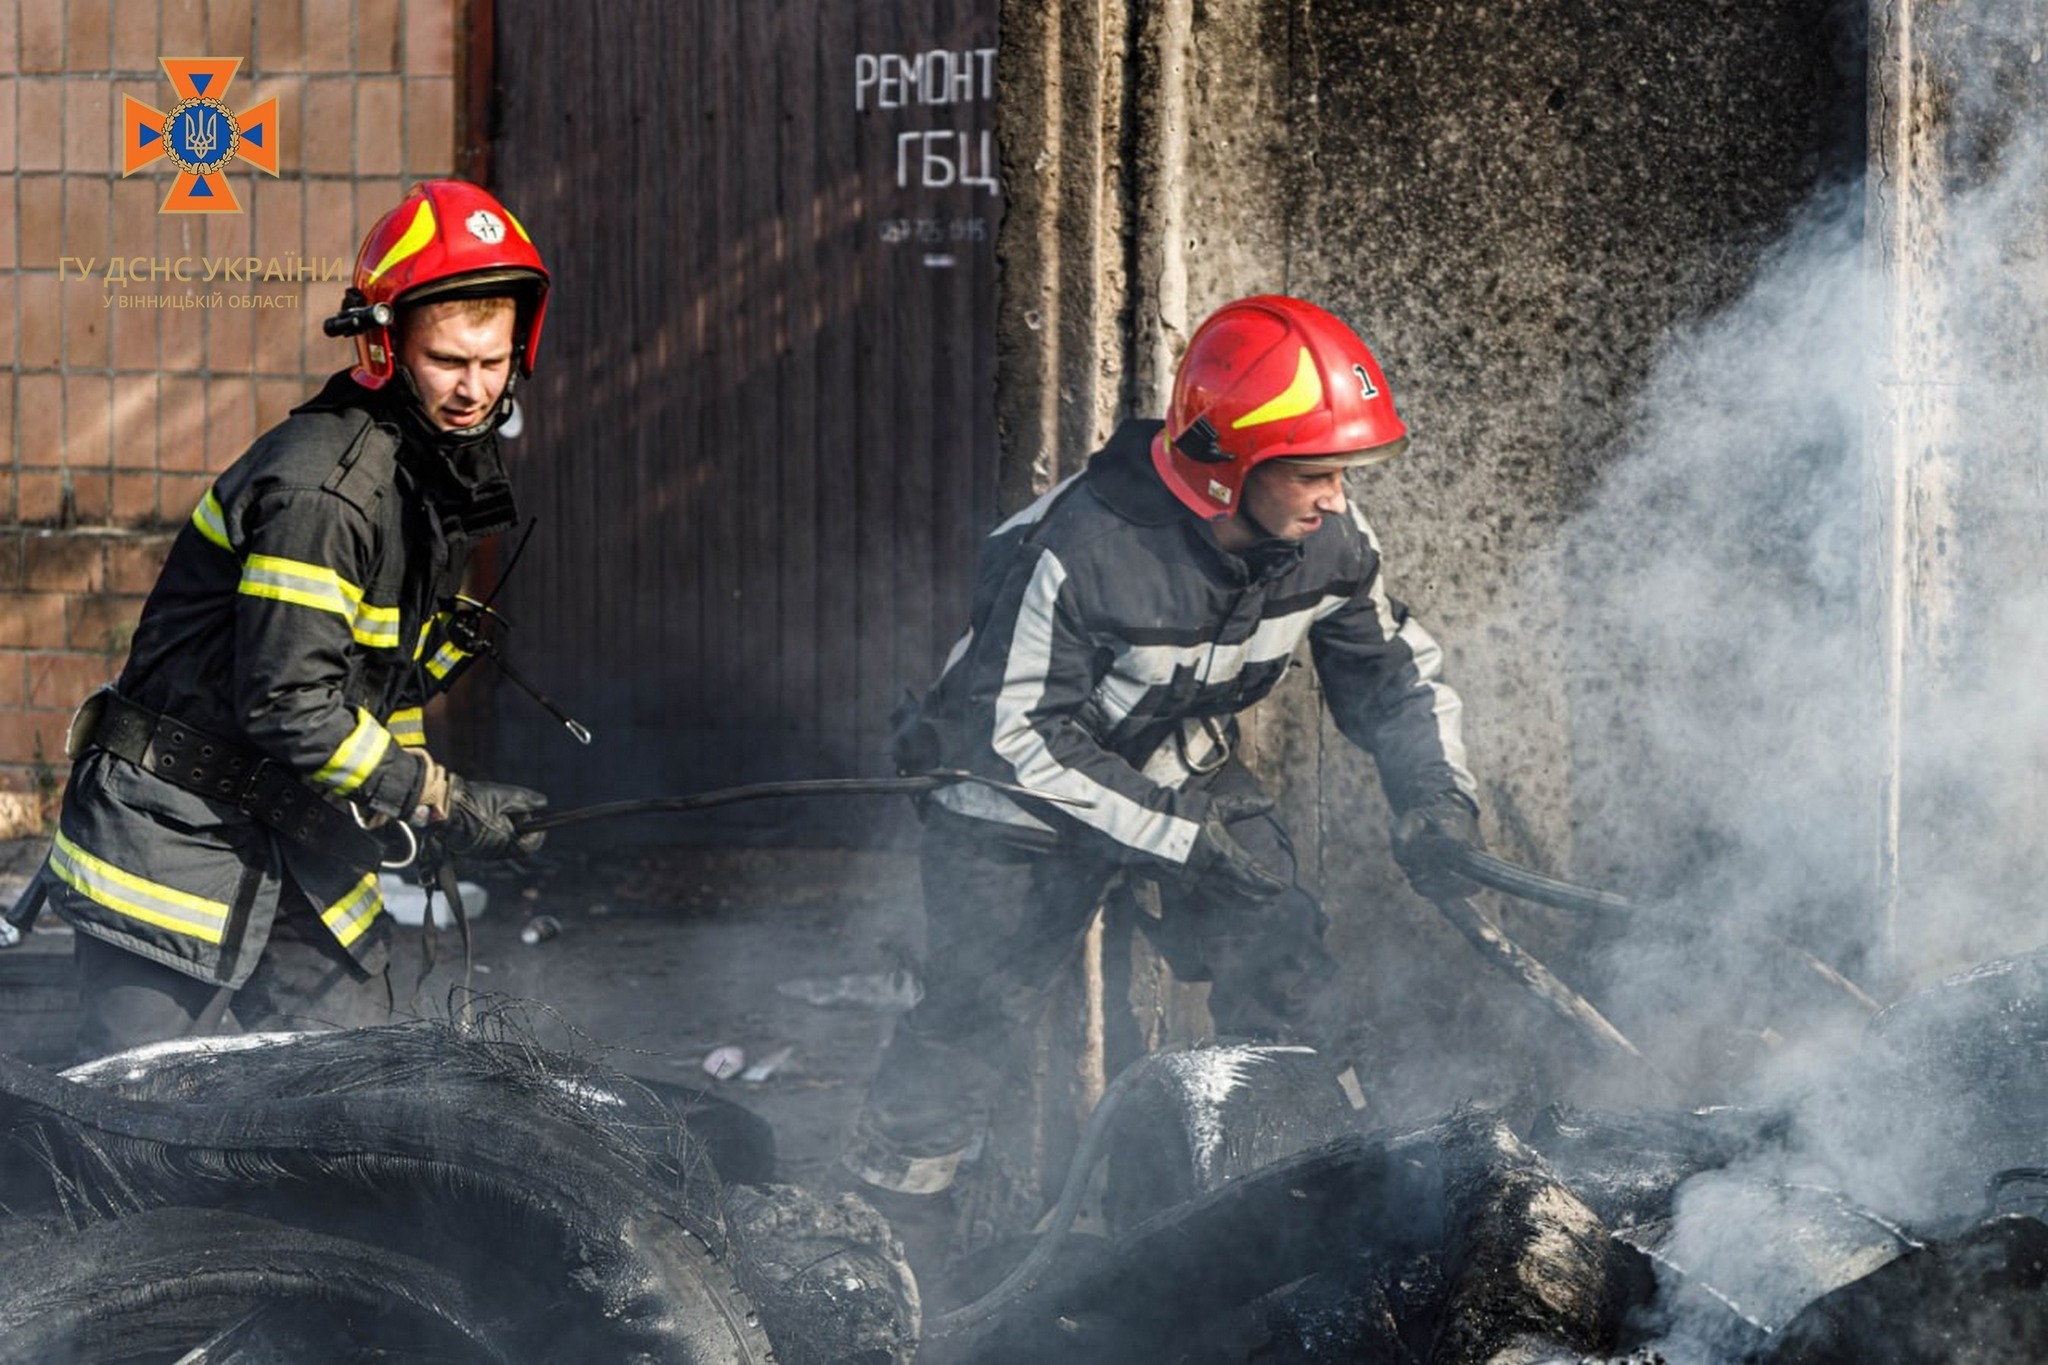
(1119, 625)
(215, 849)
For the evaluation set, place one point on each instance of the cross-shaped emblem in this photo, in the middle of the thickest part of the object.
(201, 136)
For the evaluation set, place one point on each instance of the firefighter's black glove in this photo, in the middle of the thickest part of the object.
(1429, 836)
(1218, 856)
(480, 821)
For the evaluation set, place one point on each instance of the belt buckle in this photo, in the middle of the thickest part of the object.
(246, 796)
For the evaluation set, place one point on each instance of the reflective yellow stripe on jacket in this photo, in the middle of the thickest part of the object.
(211, 522)
(445, 658)
(124, 893)
(408, 725)
(350, 915)
(352, 762)
(321, 588)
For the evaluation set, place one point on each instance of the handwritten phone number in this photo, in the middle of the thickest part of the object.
(932, 231)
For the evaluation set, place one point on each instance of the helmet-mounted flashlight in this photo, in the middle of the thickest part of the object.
(357, 316)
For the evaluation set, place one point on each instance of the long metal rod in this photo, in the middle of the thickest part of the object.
(1505, 877)
(1608, 1041)
(913, 785)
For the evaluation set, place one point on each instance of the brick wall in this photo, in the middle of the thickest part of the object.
(116, 417)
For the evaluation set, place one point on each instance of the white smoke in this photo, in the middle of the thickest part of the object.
(1730, 712)
(1722, 754)
(1729, 705)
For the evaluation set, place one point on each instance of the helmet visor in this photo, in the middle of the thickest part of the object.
(1350, 459)
(510, 283)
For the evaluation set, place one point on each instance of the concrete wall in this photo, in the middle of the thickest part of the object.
(1515, 204)
(1954, 555)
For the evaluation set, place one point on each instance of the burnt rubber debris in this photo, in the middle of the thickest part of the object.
(454, 1192)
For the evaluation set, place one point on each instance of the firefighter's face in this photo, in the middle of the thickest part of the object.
(1290, 498)
(459, 356)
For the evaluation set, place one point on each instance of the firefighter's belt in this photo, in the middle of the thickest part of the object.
(190, 758)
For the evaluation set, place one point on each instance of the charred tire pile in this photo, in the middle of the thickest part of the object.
(421, 1192)
(1895, 1214)
(1454, 1244)
(1957, 1066)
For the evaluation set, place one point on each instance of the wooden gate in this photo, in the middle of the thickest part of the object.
(761, 443)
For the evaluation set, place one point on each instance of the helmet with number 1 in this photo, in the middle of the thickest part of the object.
(1271, 378)
(448, 239)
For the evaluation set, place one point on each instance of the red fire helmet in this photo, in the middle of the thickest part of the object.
(448, 239)
(1271, 378)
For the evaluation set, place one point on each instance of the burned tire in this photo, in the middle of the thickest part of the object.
(1951, 1075)
(1162, 1288)
(155, 1285)
(516, 1176)
(680, 1126)
(1355, 1311)
(1792, 1243)
(1520, 1269)
(739, 1142)
(827, 1273)
(1627, 1166)
(1199, 1118)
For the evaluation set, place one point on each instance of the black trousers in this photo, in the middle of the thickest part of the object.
(1001, 922)
(305, 980)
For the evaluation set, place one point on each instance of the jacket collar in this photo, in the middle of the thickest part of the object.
(1122, 477)
(463, 481)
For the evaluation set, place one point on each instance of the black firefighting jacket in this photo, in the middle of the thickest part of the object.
(1112, 639)
(301, 613)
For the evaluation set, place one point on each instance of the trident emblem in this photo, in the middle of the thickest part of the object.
(202, 133)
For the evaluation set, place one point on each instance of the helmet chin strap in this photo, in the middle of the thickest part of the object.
(1244, 510)
(503, 416)
(464, 468)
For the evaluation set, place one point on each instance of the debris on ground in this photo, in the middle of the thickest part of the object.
(1890, 1207)
(1889, 1211)
(894, 991)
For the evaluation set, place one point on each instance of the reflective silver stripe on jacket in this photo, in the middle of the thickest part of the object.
(1427, 659)
(356, 757)
(444, 661)
(350, 915)
(1140, 668)
(1164, 836)
(211, 522)
(139, 898)
(408, 725)
(322, 589)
